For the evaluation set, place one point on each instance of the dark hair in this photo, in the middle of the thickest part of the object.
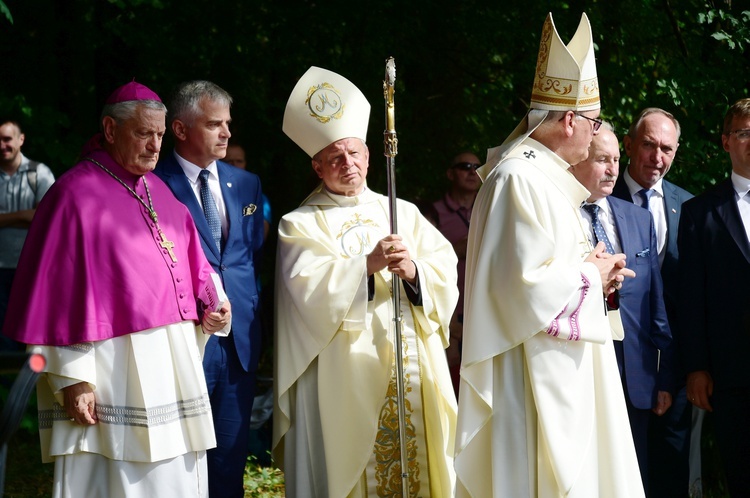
(740, 109)
(455, 160)
(11, 120)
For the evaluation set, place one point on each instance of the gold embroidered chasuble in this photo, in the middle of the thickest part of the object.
(335, 419)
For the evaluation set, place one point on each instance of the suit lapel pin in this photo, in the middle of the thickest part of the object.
(248, 210)
(674, 210)
(229, 184)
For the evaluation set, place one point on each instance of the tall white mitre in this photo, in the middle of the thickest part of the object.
(565, 80)
(325, 107)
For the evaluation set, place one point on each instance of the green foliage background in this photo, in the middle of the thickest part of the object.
(464, 71)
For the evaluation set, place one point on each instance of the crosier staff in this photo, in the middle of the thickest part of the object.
(390, 142)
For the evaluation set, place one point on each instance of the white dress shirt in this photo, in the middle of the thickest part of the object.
(192, 171)
(741, 187)
(608, 222)
(656, 205)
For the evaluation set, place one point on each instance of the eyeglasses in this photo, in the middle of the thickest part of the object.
(741, 135)
(468, 166)
(597, 122)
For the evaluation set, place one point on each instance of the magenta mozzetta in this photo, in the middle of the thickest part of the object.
(97, 283)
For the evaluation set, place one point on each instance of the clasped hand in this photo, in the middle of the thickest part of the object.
(390, 252)
(611, 268)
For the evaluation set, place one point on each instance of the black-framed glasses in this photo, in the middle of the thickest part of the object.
(597, 122)
(740, 134)
(467, 166)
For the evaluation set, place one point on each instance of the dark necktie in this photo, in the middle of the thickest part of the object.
(209, 209)
(645, 194)
(599, 234)
(612, 300)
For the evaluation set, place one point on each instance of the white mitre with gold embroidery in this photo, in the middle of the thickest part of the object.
(325, 107)
(565, 80)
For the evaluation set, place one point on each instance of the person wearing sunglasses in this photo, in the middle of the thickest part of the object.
(451, 215)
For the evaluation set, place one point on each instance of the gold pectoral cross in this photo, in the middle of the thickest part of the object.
(168, 245)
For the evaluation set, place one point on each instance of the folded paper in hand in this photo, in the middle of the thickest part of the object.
(215, 295)
(215, 299)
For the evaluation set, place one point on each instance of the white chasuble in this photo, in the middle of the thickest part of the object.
(336, 424)
(542, 412)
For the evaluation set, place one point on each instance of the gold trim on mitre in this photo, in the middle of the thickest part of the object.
(325, 107)
(565, 76)
(565, 80)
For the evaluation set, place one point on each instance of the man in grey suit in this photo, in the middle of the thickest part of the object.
(651, 145)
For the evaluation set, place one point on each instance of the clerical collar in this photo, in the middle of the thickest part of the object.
(343, 200)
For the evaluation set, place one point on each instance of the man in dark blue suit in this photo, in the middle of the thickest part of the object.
(628, 229)
(651, 145)
(227, 209)
(715, 301)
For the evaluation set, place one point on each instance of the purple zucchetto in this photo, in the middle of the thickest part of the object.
(131, 91)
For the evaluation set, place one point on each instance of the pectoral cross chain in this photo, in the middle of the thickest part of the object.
(166, 244)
